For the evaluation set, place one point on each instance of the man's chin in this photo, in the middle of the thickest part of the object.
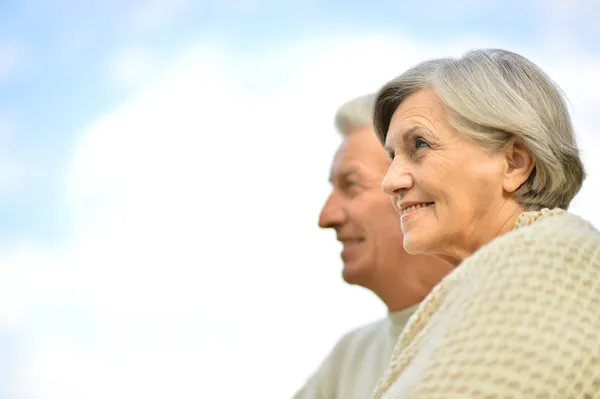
(354, 273)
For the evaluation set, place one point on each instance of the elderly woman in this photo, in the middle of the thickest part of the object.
(485, 164)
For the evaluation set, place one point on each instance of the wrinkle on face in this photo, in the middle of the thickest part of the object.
(460, 176)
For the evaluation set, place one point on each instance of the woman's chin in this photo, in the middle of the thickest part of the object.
(414, 245)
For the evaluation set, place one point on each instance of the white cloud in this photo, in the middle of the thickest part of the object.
(196, 268)
(11, 177)
(154, 14)
(131, 66)
(12, 58)
(173, 193)
(567, 26)
(12, 171)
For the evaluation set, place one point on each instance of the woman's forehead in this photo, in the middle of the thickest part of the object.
(420, 112)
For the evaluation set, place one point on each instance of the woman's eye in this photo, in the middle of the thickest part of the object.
(421, 143)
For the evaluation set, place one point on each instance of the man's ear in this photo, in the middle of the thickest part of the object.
(519, 164)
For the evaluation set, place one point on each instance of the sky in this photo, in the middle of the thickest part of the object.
(163, 165)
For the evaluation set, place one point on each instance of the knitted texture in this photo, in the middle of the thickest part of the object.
(520, 318)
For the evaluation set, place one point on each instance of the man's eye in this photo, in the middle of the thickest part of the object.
(421, 143)
(391, 154)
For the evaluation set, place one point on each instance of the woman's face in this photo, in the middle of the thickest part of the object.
(447, 188)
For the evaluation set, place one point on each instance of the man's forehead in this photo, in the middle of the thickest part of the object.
(359, 152)
(348, 155)
(344, 163)
(354, 147)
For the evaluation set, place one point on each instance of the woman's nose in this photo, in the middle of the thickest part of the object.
(397, 180)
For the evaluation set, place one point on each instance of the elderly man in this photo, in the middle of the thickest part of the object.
(369, 229)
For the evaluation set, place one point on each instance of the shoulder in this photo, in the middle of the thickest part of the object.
(561, 226)
(360, 335)
(548, 270)
(329, 378)
(522, 319)
(541, 280)
(552, 243)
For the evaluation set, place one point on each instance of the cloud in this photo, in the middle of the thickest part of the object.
(568, 26)
(131, 66)
(12, 58)
(12, 171)
(151, 15)
(12, 174)
(171, 195)
(195, 257)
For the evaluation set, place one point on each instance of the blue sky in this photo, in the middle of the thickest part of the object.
(163, 165)
(59, 81)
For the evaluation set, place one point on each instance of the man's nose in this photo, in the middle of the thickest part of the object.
(333, 213)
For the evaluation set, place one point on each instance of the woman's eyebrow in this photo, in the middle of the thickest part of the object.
(410, 133)
(406, 136)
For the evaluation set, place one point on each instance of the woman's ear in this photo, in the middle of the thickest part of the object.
(519, 164)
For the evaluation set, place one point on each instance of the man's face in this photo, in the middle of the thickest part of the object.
(361, 213)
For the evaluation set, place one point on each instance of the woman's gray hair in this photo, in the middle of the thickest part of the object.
(355, 114)
(492, 95)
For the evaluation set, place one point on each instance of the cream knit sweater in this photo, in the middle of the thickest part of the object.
(520, 318)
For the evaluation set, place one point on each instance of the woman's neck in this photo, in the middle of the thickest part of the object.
(499, 222)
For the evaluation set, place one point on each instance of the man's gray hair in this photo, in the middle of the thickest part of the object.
(492, 95)
(355, 114)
